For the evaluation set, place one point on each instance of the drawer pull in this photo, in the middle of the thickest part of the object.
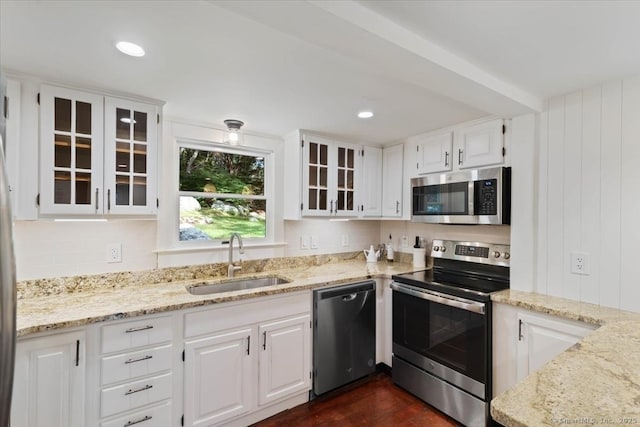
(146, 418)
(147, 357)
(147, 387)
(142, 328)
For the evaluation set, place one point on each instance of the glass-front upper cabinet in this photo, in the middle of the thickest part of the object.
(98, 154)
(331, 171)
(130, 151)
(71, 143)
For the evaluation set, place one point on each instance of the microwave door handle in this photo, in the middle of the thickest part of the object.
(468, 305)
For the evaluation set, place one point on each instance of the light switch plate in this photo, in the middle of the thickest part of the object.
(304, 242)
(314, 242)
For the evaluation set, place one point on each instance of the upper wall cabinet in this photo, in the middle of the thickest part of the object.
(392, 159)
(325, 174)
(97, 154)
(371, 200)
(480, 145)
(462, 147)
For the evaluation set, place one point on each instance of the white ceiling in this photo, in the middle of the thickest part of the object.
(282, 65)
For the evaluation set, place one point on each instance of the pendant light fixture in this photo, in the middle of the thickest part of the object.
(232, 135)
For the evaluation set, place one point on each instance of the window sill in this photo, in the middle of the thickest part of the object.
(218, 247)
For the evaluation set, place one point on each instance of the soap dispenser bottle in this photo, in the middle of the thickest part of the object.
(390, 250)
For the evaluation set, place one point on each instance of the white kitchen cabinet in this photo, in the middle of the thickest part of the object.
(135, 370)
(473, 145)
(330, 175)
(371, 200)
(284, 366)
(49, 382)
(243, 360)
(97, 154)
(392, 178)
(433, 153)
(480, 144)
(541, 338)
(219, 376)
(524, 340)
(12, 140)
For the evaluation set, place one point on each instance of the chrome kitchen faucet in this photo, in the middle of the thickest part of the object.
(231, 270)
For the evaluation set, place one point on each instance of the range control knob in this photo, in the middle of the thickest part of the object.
(496, 254)
(436, 248)
(507, 255)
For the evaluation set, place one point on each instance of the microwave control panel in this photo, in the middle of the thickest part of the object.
(486, 197)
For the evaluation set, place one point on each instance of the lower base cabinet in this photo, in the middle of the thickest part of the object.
(245, 357)
(524, 340)
(49, 381)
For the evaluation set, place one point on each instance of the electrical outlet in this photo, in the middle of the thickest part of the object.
(314, 242)
(404, 242)
(345, 240)
(580, 263)
(304, 242)
(114, 253)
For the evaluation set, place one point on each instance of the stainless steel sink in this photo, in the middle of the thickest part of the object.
(239, 284)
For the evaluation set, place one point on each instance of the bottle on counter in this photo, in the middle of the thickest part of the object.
(390, 249)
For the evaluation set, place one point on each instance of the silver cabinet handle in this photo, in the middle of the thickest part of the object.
(264, 337)
(440, 298)
(138, 360)
(97, 205)
(397, 206)
(108, 199)
(446, 158)
(248, 344)
(143, 328)
(147, 387)
(141, 420)
(331, 208)
(460, 156)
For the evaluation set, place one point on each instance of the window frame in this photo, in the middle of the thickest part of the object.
(267, 196)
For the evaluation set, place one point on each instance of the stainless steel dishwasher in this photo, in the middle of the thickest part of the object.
(344, 334)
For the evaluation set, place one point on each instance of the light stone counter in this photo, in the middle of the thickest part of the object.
(66, 302)
(596, 382)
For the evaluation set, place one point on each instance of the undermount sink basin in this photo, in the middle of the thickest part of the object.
(239, 284)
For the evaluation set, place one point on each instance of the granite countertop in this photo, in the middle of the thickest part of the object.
(596, 381)
(84, 302)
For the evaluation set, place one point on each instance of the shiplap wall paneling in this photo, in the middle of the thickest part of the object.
(572, 189)
(630, 194)
(555, 198)
(543, 205)
(590, 192)
(610, 231)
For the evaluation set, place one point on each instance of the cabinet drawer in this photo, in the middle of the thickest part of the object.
(134, 394)
(122, 367)
(158, 416)
(123, 336)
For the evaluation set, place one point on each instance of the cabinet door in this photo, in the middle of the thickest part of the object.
(371, 203)
(480, 145)
(130, 154)
(316, 178)
(541, 339)
(392, 159)
(434, 153)
(71, 143)
(285, 353)
(218, 377)
(49, 382)
(347, 173)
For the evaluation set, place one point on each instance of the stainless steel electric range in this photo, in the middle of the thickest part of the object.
(442, 328)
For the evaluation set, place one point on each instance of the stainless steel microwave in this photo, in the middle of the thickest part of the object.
(478, 196)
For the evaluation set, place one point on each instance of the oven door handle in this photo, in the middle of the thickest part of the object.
(464, 304)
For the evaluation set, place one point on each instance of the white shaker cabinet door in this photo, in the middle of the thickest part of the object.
(49, 381)
(218, 377)
(285, 355)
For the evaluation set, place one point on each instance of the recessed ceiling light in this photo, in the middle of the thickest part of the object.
(130, 49)
(365, 114)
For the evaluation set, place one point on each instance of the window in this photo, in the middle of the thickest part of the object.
(222, 191)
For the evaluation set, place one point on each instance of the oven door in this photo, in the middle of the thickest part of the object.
(442, 334)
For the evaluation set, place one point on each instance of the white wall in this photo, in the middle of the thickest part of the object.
(49, 249)
(329, 234)
(589, 198)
